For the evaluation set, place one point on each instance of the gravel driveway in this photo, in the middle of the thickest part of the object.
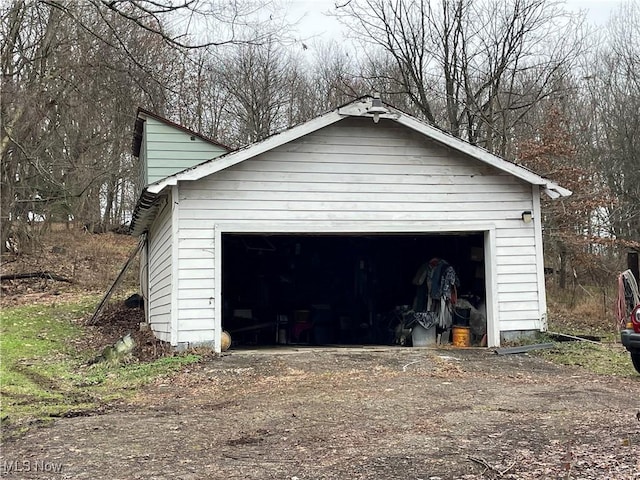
(359, 413)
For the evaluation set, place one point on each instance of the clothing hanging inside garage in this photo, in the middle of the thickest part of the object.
(436, 293)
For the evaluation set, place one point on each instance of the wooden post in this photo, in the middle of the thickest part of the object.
(633, 264)
(107, 296)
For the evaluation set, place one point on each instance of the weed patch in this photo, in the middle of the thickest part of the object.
(606, 359)
(44, 371)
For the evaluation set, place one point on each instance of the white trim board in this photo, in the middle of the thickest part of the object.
(537, 224)
(295, 227)
(175, 264)
(217, 299)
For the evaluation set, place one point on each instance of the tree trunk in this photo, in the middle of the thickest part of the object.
(563, 267)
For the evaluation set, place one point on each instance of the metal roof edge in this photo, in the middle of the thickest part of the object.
(143, 213)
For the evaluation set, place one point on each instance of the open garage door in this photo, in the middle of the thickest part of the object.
(354, 289)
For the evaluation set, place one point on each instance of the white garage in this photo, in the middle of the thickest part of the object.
(319, 234)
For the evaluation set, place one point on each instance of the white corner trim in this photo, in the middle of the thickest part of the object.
(175, 264)
(491, 287)
(537, 225)
(217, 298)
(144, 278)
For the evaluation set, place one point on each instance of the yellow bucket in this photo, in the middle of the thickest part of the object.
(461, 336)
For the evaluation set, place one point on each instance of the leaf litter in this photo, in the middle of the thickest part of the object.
(325, 414)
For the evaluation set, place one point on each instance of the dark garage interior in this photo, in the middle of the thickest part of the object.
(310, 289)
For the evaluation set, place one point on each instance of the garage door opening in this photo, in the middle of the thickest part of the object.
(339, 289)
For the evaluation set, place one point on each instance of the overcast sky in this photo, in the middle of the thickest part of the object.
(314, 22)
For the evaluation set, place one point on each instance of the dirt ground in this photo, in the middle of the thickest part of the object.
(352, 414)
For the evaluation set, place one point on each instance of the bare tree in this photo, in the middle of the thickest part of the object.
(262, 82)
(481, 63)
(195, 24)
(200, 100)
(614, 133)
(66, 110)
(333, 76)
(28, 38)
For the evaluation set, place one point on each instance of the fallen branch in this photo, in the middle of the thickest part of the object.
(21, 276)
(488, 466)
(404, 369)
(587, 291)
(523, 348)
(573, 337)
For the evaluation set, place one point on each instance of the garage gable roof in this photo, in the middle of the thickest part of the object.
(363, 107)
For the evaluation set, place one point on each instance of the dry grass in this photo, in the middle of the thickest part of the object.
(90, 261)
(586, 311)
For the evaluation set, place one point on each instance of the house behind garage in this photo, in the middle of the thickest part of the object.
(327, 223)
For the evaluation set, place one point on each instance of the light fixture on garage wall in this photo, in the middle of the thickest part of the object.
(377, 108)
(527, 217)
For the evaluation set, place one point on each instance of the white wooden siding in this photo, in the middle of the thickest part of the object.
(196, 285)
(354, 172)
(160, 263)
(169, 150)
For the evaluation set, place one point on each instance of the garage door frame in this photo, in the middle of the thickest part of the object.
(490, 267)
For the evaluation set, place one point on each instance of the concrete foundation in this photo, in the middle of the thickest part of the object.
(184, 346)
(518, 335)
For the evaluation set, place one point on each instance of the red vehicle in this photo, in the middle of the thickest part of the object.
(630, 337)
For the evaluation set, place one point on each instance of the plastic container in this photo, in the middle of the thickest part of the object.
(282, 336)
(461, 336)
(423, 337)
(461, 317)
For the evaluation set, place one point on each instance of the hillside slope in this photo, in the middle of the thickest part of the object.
(90, 262)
